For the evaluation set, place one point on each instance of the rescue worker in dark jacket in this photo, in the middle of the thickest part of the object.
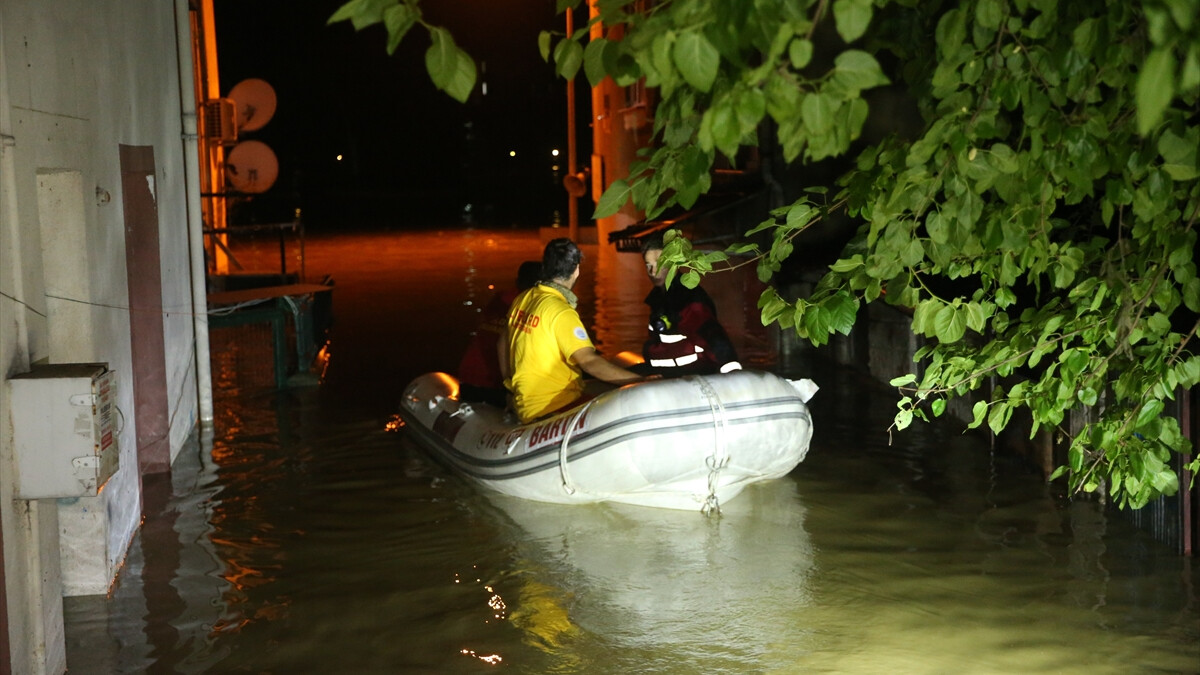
(685, 337)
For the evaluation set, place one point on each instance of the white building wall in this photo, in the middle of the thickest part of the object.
(79, 78)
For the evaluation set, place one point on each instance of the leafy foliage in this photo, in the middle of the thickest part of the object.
(1041, 228)
(449, 67)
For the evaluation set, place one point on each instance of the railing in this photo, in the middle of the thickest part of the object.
(296, 227)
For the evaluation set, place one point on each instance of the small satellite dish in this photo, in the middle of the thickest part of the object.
(255, 101)
(251, 167)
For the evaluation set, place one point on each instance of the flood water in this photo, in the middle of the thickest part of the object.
(305, 537)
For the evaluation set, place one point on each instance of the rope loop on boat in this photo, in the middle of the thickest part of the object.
(719, 459)
(568, 486)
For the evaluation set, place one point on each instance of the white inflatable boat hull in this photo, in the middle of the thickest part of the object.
(686, 443)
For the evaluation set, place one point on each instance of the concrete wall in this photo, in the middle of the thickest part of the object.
(78, 79)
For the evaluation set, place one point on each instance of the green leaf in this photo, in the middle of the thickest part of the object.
(1084, 36)
(724, 129)
(1191, 295)
(1188, 371)
(697, 59)
(1149, 413)
(989, 13)
(1165, 481)
(924, 315)
(1179, 155)
(361, 13)
(593, 61)
(616, 196)
(347, 11)
(978, 411)
(856, 70)
(449, 67)
(543, 41)
(903, 380)
(662, 63)
(998, 417)
(912, 254)
(1155, 88)
(1159, 323)
(847, 264)
(1183, 12)
(800, 53)
(772, 306)
(818, 110)
(744, 248)
(852, 18)
(976, 317)
(816, 324)
(799, 215)
(938, 227)
(841, 310)
(751, 106)
(951, 32)
(1189, 77)
(568, 56)
(1075, 458)
(398, 20)
(1004, 159)
(950, 324)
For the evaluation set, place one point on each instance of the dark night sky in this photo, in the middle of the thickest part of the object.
(407, 158)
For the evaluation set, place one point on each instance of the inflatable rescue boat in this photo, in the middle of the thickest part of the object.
(684, 443)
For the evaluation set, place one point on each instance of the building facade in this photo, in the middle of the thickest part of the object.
(99, 232)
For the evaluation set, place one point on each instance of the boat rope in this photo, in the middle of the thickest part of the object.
(562, 449)
(719, 459)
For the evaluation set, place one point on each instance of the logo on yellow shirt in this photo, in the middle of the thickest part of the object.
(524, 321)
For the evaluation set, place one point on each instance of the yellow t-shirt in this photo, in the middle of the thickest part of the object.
(543, 332)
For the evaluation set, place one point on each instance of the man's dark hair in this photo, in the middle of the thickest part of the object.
(528, 274)
(652, 242)
(560, 259)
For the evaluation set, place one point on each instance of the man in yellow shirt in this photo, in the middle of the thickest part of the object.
(548, 349)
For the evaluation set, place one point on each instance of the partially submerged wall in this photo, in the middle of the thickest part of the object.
(78, 80)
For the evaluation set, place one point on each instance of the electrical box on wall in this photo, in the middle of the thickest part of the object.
(65, 443)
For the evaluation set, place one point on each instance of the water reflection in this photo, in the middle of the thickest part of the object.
(304, 537)
(616, 588)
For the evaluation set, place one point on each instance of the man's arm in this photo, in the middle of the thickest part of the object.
(602, 369)
(502, 354)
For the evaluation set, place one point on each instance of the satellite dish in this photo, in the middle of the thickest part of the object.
(255, 101)
(251, 167)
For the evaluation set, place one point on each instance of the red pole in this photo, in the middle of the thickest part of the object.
(572, 200)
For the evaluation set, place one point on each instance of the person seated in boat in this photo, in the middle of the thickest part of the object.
(547, 349)
(479, 378)
(685, 337)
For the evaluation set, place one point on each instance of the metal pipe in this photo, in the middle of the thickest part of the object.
(195, 219)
